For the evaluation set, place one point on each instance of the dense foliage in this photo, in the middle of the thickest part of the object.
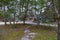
(20, 9)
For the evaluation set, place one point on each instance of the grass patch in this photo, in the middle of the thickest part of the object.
(44, 33)
(11, 35)
(8, 33)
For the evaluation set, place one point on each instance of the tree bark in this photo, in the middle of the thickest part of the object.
(59, 21)
(58, 14)
(53, 10)
(14, 16)
(5, 17)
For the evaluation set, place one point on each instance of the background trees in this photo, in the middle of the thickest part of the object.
(20, 9)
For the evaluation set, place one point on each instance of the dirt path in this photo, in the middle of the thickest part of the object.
(28, 35)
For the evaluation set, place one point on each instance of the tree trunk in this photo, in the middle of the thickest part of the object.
(10, 21)
(5, 17)
(54, 13)
(14, 21)
(59, 21)
(9, 14)
(14, 16)
(58, 14)
(23, 15)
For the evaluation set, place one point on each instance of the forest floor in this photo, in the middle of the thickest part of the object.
(10, 32)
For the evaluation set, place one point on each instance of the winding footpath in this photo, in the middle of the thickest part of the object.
(28, 35)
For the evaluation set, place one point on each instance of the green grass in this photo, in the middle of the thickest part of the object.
(44, 33)
(11, 35)
(7, 33)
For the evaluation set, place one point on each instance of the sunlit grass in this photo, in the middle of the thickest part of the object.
(8, 33)
(46, 35)
(12, 35)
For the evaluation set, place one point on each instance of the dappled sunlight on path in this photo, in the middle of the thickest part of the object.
(28, 35)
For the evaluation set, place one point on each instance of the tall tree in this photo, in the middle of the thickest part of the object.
(59, 21)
